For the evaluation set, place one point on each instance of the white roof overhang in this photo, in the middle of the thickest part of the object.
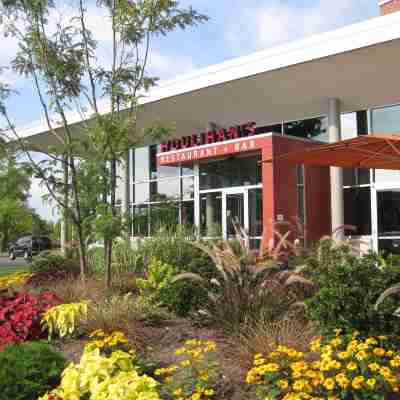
(359, 64)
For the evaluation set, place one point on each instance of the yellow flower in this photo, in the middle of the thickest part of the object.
(361, 355)
(358, 382)
(342, 380)
(329, 384)
(283, 383)
(351, 366)
(374, 366)
(379, 352)
(371, 382)
(209, 392)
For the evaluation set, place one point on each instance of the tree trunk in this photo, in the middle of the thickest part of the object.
(108, 262)
(82, 253)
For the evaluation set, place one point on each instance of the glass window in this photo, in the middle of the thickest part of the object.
(142, 192)
(313, 128)
(211, 214)
(389, 213)
(386, 120)
(188, 169)
(165, 190)
(140, 220)
(153, 162)
(187, 188)
(187, 214)
(357, 210)
(164, 215)
(230, 172)
(255, 213)
(168, 171)
(277, 128)
(353, 125)
(142, 164)
(354, 177)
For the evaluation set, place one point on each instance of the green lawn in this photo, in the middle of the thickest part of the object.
(11, 270)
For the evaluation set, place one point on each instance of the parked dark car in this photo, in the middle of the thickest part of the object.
(28, 246)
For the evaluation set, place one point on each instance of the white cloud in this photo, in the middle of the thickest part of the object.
(168, 66)
(278, 22)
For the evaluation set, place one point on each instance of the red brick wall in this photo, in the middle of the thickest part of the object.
(280, 193)
(390, 7)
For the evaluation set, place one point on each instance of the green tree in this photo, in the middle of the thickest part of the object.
(63, 61)
(15, 217)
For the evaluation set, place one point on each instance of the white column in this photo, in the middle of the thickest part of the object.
(337, 203)
(64, 218)
(125, 188)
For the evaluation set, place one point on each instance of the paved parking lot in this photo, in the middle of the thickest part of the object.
(8, 266)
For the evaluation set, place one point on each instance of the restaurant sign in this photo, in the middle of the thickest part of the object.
(211, 137)
(210, 151)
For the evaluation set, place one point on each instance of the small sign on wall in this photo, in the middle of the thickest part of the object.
(280, 218)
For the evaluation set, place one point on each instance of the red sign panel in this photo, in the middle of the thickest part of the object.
(210, 151)
(211, 137)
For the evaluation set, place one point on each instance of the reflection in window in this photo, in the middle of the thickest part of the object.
(233, 171)
(354, 177)
(187, 188)
(211, 214)
(142, 164)
(255, 213)
(140, 220)
(187, 214)
(165, 190)
(188, 169)
(142, 192)
(389, 213)
(313, 128)
(386, 120)
(357, 210)
(165, 216)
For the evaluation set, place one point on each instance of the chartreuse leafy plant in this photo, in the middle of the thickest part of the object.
(63, 320)
(343, 367)
(194, 375)
(105, 372)
(18, 279)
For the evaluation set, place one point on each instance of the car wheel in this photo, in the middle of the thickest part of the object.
(12, 256)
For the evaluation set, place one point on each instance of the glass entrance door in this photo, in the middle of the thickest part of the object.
(221, 210)
(234, 213)
(388, 213)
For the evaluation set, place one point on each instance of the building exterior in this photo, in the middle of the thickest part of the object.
(230, 116)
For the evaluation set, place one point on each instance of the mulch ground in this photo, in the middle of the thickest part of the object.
(160, 343)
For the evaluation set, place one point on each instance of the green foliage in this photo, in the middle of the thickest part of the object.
(243, 292)
(48, 261)
(157, 287)
(177, 251)
(349, 287)
(29, 370)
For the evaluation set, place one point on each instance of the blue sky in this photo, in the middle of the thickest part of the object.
(235, 28)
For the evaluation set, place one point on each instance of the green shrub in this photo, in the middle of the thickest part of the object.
(349, 287)
(48, 261)
(180, 253)
(29, 370)
(157, 287)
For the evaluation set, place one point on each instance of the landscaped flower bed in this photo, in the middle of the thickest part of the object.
(259, 332)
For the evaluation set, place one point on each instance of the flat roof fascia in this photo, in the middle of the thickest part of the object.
(356, 36)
